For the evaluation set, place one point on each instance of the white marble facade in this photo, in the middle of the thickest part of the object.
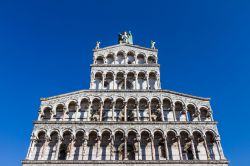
(125, 118)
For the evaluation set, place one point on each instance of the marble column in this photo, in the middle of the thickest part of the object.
(217, 139)
(174, 115)
(166, 147)
(139, 147)
(31, 147)
(113, 111)
(206, 148)
(112, 147)
(193, 148)
(179, 147)
(98, 148)
(162, 113)
(101, 110)
(59, 141)
(149, 111)
(84, 150)
(152, 148)
(125, 112)
(77, 111)
(137, 111)
(125, 148)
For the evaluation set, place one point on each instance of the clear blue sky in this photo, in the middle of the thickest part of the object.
(46, 49)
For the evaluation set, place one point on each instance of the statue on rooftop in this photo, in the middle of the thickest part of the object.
(97, 45)
(125, 38)
(152, 44)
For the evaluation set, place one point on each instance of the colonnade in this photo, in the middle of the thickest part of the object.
(125, 80)
(130, 110)
(125, 58)
(125, 146)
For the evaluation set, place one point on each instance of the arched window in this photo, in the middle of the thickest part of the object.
(98, 80)
(155, 110)
(167, 111)
(151, 60)
(143, 110)
(120, 80)
(95, 110)
(131, 112)
(59, 112)
(119, 110)
(47, 114)
(159, 144)
(146, 149)
(173, 150)
(119, 146)
(120, 58)
(105, 146)
(130, 81)
(186, 146)
(152, 80)
(99, 60)
(130, 57)
(108, 83)
(141, 59)
(107, 110)
(142, 80)
(110, 59)
(131, 145)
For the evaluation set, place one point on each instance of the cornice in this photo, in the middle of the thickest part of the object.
(125, 44)
(126, 123)
(154, 162)
(127, 91)
(125, 65)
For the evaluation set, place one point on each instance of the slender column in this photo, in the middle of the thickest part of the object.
(113, 111)
(206, 148)
(186, 114)
(193, 148)
(198, 115)
(44, 148)
(125, 112)
(125, 81)
(101, 109)
(112, 147)
(59, 141)
(174, 113)
(98, 148)
(114, 81)
(31, 147)
(70, 148)
(152, 148)
(77, 110)
(139, 147)
(147, 81)
(217, 139)
(85, 141)
(88, 112)
(137, 111)
(136, 79)
(162, 114)
(179, 147)
(166, 147)
(125, 148)
(159, 82)
(65, 111)
(149, 111)
(40, 115)
(103, 79)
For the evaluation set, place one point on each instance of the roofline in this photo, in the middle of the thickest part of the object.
(125, 44)
(159, 90)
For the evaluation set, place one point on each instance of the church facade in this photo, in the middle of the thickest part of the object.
(125, 118)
